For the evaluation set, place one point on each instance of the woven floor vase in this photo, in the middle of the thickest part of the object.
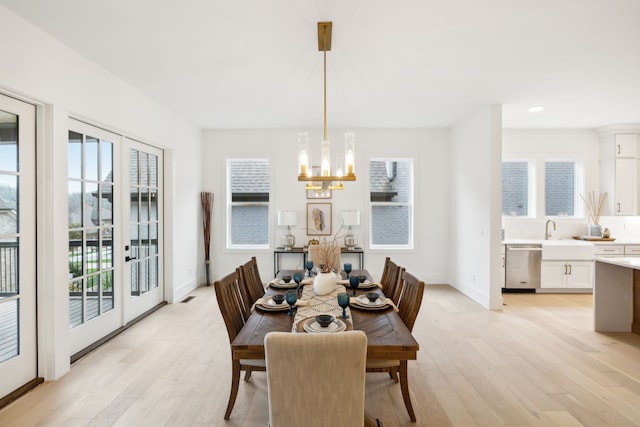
(324, 283)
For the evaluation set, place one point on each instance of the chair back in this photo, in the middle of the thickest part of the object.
(325, 254)
(409, 305)
(251, 287)
(391, 280)
(230, 303)
(316, 380)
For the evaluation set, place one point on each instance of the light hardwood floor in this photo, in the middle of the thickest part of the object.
(537, 363)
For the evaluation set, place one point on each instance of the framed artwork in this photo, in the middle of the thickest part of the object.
(318, 219)
(318, 194)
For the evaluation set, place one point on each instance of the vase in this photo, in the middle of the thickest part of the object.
(324, 283)
(595, 230)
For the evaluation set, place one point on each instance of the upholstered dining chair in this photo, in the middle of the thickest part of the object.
(320, 254)
(231, 306)
(408, 308)
(251, 286)
(316, 380)
(391, 280)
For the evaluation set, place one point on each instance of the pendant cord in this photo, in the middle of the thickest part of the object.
(325, 86)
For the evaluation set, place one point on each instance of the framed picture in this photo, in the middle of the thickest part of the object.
(318, 194)
(318, 219)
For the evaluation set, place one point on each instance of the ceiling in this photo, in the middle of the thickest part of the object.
(228, 64)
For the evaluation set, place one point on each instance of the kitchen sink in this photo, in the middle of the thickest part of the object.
(567, 250)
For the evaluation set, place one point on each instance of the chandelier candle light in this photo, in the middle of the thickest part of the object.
(288, 218)
(327, 175)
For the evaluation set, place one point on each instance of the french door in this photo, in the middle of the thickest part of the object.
(115, 231)
(143, 208)
(18, 352)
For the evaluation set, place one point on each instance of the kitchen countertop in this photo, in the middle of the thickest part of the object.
(629, 262)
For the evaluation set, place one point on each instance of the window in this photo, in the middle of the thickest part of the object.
(515, 188)
(559, 188)
(391, 182)
(248, 202)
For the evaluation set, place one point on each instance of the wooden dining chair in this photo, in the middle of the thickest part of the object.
(316, 380)
(409, 306)
(231, 307)
(391, 280)
(251, 286)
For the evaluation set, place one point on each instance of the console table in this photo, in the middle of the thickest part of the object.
(303, 252)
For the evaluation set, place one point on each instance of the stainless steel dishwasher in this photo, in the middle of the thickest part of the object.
(522, 267)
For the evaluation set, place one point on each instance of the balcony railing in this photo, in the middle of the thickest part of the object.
(8, 268)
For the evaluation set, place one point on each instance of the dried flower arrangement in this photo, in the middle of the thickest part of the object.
(594, 208)
(326, 252)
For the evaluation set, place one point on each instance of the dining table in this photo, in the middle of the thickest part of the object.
(388, 338)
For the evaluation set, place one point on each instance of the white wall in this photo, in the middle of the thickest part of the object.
(38, 68)
(475, 206)
(540, 145)
(429, 148)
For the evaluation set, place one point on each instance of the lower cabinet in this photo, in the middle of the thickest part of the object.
(566, 274)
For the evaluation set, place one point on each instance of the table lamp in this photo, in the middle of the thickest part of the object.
(288, 218)
(350, 218)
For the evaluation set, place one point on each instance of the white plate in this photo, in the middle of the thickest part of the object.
(363, 301)
(283, 285)
(270, 304)
(312, 326)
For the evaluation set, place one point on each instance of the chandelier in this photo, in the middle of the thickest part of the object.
(326, 176)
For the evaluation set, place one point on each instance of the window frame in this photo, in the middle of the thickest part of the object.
(410, 204)
(230, 204)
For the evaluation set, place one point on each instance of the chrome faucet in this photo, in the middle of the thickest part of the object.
(546, 229)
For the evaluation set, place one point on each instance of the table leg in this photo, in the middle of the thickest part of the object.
(404, 386)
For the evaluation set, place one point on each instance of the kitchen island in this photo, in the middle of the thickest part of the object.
(616, 295)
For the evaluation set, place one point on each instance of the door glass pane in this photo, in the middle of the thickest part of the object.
(107, 207)
(8, 142)
(153, 171)
(133, 170)
(91, 208)
(144, 168)
(8, 204)
(74, 155)
(93, 296)
(107, 291)
(76, 303)
(91, 159)
(9, 321)
(75, 253)
(153, 205)
(8, 267)
(106, 161)
(75, 204)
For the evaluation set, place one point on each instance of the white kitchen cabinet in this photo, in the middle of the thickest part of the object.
(626, 145)
(626, 189)
(632, 250)
(567, 274)
(619, 166)
(502, 266)
(608, 251)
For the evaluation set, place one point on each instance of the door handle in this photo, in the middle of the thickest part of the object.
(129, 258)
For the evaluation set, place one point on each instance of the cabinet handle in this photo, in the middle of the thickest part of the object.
(618, 207)
(618, 149)
(569, 268)
(565, 269)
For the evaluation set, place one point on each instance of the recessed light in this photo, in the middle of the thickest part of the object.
(536, 109)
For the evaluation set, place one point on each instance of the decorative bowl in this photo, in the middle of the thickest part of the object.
(325, 319)
(373, 296)
(278, 299)
(362, 278)
(286, 279)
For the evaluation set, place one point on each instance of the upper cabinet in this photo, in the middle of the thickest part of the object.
(619, 168)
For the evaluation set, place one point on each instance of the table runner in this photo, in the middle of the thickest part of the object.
(319, 304)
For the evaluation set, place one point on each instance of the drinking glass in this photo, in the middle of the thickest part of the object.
(308, 265)
(347, 268)
(297, 277)
(353, 283)
(343, 301)
(291, 296)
